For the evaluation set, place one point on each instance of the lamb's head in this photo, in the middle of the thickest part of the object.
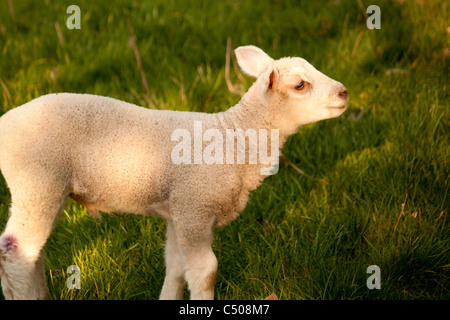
(301, 93)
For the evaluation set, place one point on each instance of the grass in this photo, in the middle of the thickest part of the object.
(376, 189)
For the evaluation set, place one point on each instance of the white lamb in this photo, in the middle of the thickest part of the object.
(111, 156)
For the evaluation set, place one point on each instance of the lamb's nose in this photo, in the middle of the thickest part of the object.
(343, 93)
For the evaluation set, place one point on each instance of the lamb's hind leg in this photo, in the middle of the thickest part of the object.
(21, 246)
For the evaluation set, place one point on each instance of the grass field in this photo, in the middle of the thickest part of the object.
(375, 188)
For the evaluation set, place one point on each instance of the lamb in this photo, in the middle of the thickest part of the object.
(113, 156)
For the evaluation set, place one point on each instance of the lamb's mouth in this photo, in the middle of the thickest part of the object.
(338, 107)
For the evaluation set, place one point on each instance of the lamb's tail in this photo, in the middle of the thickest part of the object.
(2, 120)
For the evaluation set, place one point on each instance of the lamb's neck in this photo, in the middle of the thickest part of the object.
(249, 113)
(252, 112)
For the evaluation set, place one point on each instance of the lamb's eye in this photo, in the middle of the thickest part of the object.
(300, 85)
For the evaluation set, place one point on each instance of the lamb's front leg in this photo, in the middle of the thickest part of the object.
(194, 240)
(174, 282)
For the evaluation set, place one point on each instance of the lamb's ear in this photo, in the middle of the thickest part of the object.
(269, 81)
(252, 60)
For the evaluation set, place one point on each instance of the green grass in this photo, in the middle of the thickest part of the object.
(377, 185)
